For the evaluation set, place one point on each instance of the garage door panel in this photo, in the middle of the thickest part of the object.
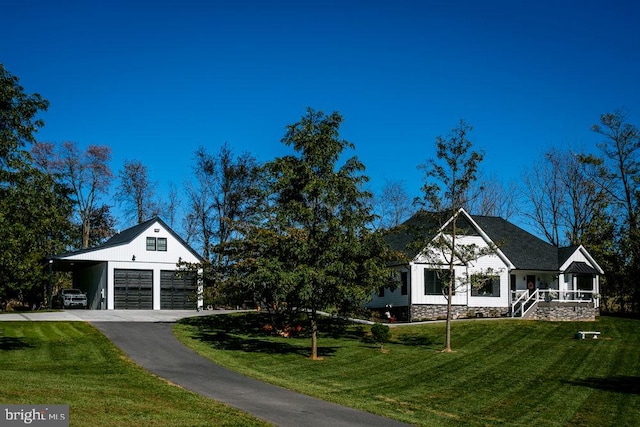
(177, 290)
(133, 289)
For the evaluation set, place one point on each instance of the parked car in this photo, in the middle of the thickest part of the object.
(70, 298)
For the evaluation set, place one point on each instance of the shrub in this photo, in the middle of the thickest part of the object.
(381, 334)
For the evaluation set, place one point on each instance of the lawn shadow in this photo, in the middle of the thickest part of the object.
(415, 341)
(11, 343)
(246, 333)
(619, 383)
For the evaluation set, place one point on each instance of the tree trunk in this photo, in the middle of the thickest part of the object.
(85, 234)
(452, 283)
(314, 336)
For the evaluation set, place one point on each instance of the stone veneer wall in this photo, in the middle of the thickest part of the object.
(551, 311)
(420, 312)
(564, 312)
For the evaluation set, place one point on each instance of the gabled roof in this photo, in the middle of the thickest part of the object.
(579, 267)
(128, 235)
(524, 250)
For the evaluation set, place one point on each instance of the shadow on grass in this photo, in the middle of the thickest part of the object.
(246, 333)
(415, 341)
(619, 384)
(10, 343)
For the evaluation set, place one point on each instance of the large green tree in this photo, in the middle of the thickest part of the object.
(34, 206)
(315, 251)
(18, 122)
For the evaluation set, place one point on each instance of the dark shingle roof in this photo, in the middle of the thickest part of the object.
(523, 249)
(129, 235)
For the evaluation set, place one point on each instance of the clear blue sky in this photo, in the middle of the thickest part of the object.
(155, 79)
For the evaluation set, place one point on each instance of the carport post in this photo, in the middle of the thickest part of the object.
(50, 285)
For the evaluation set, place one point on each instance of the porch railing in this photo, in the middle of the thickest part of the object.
(523, 301)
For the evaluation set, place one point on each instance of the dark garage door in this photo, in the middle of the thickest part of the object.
(177, 290)
(133, 289)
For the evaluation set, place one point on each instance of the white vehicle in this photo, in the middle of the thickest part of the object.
(69, 298)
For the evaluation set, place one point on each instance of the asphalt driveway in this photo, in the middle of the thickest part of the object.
(154, 347)
(146, 337)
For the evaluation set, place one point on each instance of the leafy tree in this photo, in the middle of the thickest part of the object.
(35, 223)
(448, 179)
(34, 207)
(136, 192)
(18, 121)
(315, 250)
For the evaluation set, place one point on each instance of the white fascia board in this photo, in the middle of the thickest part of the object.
(484, 236)
(587, 255)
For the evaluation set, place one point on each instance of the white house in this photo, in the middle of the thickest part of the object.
(518, 274)
(135, 269)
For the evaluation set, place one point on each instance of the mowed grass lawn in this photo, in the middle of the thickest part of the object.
(72, 363)
(503, 372)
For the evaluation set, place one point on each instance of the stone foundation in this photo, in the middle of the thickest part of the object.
(564, 312)
(424, 312)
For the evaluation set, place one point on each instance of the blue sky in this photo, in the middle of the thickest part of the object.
(156, 79)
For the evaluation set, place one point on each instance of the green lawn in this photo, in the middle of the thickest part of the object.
(503, 372)
(72, 363)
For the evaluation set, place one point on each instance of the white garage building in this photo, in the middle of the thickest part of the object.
(135, 269)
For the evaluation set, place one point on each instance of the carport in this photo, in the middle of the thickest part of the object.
(87, 275)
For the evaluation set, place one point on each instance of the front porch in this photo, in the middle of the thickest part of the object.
(556, 305)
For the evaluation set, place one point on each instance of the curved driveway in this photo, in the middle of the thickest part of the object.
(153, 346)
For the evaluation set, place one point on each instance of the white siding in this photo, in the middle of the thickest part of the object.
(417, 290)
(463, 288)
(580, 255)
(568, 281)
(135, 255)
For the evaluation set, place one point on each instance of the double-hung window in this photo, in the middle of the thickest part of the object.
(151, 243)
(436, 282)
(162, 244)
(157, 244)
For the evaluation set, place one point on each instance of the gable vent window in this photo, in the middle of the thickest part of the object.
(151, 243)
